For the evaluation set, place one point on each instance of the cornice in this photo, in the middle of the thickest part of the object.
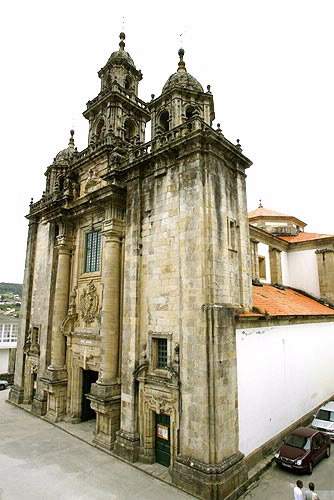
(263, 236)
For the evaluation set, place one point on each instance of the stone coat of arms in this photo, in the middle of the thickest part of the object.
(89, 303)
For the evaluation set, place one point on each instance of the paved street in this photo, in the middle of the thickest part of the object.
(278, 484)
(40, 461)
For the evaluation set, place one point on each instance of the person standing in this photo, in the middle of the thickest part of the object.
(298, 491)
(310, 493)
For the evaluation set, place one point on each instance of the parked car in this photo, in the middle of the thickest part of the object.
(324, 420)
(302, 449)
(3, 384)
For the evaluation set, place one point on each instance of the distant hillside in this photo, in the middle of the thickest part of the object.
(15, 288)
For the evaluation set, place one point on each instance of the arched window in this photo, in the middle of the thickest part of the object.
(99, 130)
(190, 112)
(109, 81)
(127, 83)
(164, 121)
(129, 129)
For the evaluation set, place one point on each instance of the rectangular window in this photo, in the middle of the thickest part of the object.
(161, 353)
(6, 333)
(15, 330)
(93, 251)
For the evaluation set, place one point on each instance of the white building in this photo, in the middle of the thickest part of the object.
(9, 327)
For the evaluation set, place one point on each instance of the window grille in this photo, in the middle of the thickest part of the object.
(15, 330)
(162, 353)
(93, 251)
(6, 333)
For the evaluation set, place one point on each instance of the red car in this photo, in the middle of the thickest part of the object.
(302, 449)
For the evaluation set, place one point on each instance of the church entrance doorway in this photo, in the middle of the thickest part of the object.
(89, 377)
(162, 439)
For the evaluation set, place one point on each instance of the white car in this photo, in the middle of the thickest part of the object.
(3, 384)
(324, 420)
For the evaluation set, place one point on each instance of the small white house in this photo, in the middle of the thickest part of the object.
(9, 327)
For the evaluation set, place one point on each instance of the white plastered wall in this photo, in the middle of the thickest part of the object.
(263, 251)
(4, 353)
(283, 373)
(303, 271)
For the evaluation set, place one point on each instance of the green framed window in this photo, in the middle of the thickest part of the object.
(93, 252)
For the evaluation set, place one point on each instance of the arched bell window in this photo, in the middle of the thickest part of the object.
(129, 129)
(108, 82)
(127, 83)
(164, 121)
(99, 130)
(190, 112)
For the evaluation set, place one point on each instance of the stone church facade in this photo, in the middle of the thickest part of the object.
(138, 263)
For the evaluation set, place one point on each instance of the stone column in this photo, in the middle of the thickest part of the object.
(275, 266)
(106, 393)
(16, 392)
(255, 261)
(56, 376)
(245, 281)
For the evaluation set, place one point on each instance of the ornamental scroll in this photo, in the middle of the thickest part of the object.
(89, 303)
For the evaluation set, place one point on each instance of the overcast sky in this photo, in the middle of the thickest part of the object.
(269, 64)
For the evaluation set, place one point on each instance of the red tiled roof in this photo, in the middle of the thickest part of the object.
(261, 212)
(265, 212)
(268, 299)
(305, 237)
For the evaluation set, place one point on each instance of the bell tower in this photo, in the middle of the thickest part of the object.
(181, 99)
(117, 112)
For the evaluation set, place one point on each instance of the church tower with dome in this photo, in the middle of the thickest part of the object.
(138, 260)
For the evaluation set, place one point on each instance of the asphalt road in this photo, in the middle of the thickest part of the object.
(41, 462)
(278, 484)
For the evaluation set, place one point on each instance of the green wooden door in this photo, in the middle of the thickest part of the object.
(162, 439)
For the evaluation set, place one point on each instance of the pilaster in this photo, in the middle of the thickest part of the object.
(127, 442)
(275, 266)
(325, 260)
(210, 465)
(17, 391)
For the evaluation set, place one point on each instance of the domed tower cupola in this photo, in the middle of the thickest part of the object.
(117, 112)
(181, 99)
(120, 68)
(56, 173)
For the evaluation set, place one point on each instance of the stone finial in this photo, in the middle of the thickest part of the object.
(122, 38)
(260, 204)
(152, 97)
(71, 141)
(238, 145)
(208, 88)
(218, 129)
(182, 65)
(31, 202)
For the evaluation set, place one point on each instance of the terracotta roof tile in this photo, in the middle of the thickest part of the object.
(268, 299)
(265, 212)
(305, 237)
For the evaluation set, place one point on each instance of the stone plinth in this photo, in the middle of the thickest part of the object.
(219, 481)
(16, 394)
(127, 445)
(106, 402)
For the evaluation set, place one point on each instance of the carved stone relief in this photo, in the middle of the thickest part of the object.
(89, 303)
(159, 404)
